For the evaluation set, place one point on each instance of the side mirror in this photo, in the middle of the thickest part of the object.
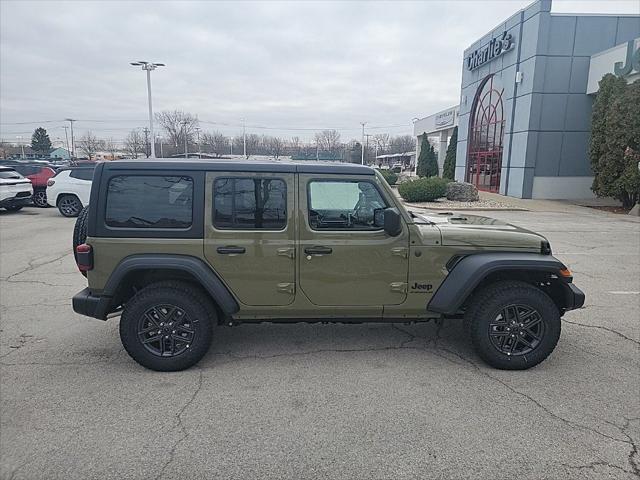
(389, 219)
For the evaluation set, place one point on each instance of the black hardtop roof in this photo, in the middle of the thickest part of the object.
(241, 165)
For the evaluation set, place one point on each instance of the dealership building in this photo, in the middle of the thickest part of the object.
(525, 105)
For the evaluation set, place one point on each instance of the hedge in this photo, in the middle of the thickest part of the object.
(389, 176)
(423, 189)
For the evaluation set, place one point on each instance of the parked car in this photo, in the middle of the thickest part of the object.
(39, 173)
(177, 247)
(15, 190)
(69, 190)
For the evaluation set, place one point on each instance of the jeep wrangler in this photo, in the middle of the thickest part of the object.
(177, 247)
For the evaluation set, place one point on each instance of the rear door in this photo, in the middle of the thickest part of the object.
(80, 183)
(250, 234)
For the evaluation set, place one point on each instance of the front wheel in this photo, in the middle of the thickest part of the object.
(69, 205)
(40, 198)
(167, 326)
(513, 325)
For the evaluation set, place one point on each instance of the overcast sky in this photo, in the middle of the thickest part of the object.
(292, 67)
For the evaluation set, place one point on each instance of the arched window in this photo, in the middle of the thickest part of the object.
(486, 131)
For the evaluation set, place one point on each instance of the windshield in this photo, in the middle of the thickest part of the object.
(10, 174)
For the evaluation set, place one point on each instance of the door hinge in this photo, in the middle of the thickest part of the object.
(400, 251)
(289, 288)
(400, 287)
(289, 252)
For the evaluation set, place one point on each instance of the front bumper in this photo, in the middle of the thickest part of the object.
(96, 306)
(573, 297)
(16, 201)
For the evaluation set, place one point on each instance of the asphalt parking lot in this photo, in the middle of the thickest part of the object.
(319, 401)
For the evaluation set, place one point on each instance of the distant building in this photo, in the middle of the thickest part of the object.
(60, 154)
(320, 156)
(406, 160)
(438, 128)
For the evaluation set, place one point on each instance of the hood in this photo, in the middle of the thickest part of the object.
(477, 231)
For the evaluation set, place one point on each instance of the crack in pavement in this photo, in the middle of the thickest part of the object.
(180, 424)
(622, 335)
(592, 465)
(31, 266)
(633, 453)
(22, 341)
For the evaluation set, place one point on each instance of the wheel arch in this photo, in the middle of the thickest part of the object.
(137, 271)
(472, 273)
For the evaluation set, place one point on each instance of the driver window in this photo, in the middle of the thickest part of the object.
(343, 205)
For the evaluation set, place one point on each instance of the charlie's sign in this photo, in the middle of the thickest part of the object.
(631, 61)
(496, 47)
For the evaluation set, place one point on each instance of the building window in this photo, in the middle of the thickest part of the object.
(149, 201)
(249, 203)
(486, 132)
(343, 205)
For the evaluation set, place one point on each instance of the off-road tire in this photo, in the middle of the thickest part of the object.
(187, 297)
(80, 229)
(69, 205)
(487, 304)
(40, 198)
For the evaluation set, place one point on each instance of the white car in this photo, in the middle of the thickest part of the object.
(69, 190)
(15, 190)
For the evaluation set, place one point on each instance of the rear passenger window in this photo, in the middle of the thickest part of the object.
(249, 203)
(82, 174)
(149, 201)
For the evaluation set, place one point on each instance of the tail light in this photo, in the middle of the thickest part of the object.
(50, 182)
(84, 257)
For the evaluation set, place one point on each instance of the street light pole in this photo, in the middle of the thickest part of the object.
(148, 66)
(244, 139)
(19, 137)
(362, 144)
(198, 140)
(66, 135)
(160, 141)
(73, 143)
(184, 132)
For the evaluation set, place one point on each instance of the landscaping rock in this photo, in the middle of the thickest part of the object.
(462, 192)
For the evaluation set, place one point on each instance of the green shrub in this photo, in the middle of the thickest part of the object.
(389, 176)
(423, 189)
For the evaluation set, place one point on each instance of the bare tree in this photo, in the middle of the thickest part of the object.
(294, 144)
(328, 141)
(253, 144)
(111, 147)
(4, 150)
(177, 124)
(89, 144)
(134, 143)
(402, 144)
(382, 140)
(215, 143)
(276, 147)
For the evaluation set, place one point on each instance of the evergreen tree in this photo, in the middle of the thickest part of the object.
(40, 141)
(449, 168)
(615, 140)
(610, 88)
(427, 161)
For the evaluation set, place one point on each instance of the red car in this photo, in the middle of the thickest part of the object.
(39, 173)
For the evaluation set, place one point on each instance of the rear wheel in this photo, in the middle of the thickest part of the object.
(513, 325)
(167, 326)
(40, 198)
(69, 205)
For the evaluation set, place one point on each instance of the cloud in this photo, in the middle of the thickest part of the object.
(294, 65)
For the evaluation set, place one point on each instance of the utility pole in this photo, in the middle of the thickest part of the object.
(73, 143)
(184, 132)
(19, 137)
(231, 144)
(66, 135)
(146, 141)
(198, 140)
(244, 139)
(148, 66)
(159, 138)
(362, 144)
(368, 135)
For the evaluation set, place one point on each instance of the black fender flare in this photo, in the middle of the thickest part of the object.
(472, 269)
(196, 267)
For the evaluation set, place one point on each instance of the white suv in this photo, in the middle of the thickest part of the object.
(69, 190)
(15, 190)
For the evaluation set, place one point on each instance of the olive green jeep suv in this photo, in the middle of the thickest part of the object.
(177, 247)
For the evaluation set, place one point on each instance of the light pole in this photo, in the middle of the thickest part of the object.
(231, 144)
(198, 140)
(244, 139)
(148, 66)
(73, 143)
(415, 169)
(362, 144)
(184, 132)
(19, 137)
(159, 138)
(66, 135)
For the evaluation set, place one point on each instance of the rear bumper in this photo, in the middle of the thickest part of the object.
(95, 306)
(16, 201)
(574, 297)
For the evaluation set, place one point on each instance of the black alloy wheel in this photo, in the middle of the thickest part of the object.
(69, 206)
(166, 330)
(516, 330)
(40, 198)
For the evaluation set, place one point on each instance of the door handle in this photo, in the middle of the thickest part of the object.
(231, 250)
(318, 250)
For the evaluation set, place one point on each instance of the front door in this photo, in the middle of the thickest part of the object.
(250, 234)
(345, 260)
